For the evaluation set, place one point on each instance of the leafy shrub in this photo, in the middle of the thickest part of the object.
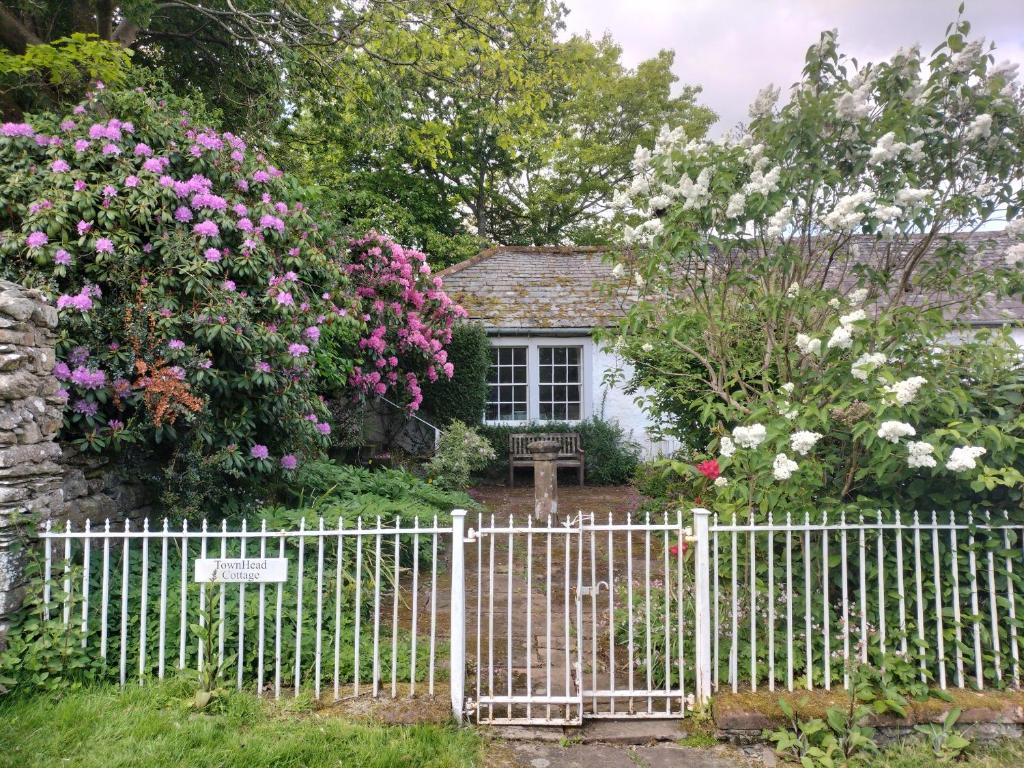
(461, 452)
(464, 396)
(657, 480)
(388, 493)
(609, 455)
(194, 287)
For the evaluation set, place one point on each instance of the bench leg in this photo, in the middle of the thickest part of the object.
(511, 475)
(581, 474)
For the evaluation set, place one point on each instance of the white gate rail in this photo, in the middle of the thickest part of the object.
(361, 606)
(577, 620)
(794, 604)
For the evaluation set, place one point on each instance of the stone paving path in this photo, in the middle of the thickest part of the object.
(525, 754)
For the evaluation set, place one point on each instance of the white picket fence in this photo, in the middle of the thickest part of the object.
(566, 621)
(333, 573)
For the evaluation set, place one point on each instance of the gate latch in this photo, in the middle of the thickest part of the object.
(594, 589)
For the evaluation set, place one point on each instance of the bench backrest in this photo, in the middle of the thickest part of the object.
(569, 442)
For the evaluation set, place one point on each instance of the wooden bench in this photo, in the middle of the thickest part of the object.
(570, 454)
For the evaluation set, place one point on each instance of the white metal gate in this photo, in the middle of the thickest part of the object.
(579, 619)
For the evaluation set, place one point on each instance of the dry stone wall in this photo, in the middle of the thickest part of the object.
(39, 481)
(31, 478)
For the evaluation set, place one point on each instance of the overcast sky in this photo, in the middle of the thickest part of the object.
(733, 48)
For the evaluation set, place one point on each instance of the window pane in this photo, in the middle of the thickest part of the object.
(507, 391)
(560, 394)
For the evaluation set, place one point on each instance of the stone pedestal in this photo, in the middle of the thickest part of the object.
(545, 479)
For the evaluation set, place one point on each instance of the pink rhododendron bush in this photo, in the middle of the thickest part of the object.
(194, 288)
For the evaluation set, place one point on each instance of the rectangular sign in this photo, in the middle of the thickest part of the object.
(241, 570)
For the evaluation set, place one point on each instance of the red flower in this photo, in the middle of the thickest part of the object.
(709, 469)
(674, 549)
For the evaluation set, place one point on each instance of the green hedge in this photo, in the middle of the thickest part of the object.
(464, 396)
(610, 456)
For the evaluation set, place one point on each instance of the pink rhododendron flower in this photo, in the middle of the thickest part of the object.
(37, 239)
(259, 451)
(289, 461)
(206, 228)
(104, 245)
(60, 166)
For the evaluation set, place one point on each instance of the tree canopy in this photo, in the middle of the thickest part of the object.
(448, 125)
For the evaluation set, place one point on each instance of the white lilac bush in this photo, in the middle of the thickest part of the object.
(802, 284)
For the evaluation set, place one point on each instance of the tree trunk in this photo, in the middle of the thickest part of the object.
(104, 19)
(14, 35)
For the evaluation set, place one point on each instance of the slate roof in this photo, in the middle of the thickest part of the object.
(526, 288)
(521, 288)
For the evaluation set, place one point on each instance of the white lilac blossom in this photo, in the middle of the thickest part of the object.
(919, 454)
(763, 183)
(865, 364)
(894, 430)
(854, 104)
(783, 467)
(964, 458)
(721, 481)
(788, 412)
(886, 148)
(749, 437)
(788, 387)
(726, 446)
(912, 196)
(980, 127)
(808, 345)
(887, 213)
(905, 391)
(841, 338)
(793, 291)
(647, 347)
(736, 203)
(803, 441)
(779, 221)
(764, 103)
(854, 317)
(857, 297)
(845, 215)
(1014, 254)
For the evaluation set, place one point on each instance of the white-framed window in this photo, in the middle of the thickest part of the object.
(539, 379)
(507, 385)
(560, 383)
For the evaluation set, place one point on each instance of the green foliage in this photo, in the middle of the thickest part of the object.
(461, 453)
(464, 396)
(42, 653)
(387, 493)
(657, 480)
(610, 456)
(148, 725)
(945, 741)
(841, 738)
(47, 74)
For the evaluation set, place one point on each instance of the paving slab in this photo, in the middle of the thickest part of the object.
(548, 755)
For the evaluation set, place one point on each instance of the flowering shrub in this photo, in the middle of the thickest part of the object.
(194, 288)
(804, 278)
(461, 452)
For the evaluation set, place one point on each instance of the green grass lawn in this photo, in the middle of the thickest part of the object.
(155, 726)
(1008, 753)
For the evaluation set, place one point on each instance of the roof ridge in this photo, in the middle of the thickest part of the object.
(564, 250)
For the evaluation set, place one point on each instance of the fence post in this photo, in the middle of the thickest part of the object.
(457, 662)
(702, 584)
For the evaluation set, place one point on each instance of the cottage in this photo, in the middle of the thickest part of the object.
(541, 306)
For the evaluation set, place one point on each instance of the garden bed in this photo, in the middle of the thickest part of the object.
(742, 717)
